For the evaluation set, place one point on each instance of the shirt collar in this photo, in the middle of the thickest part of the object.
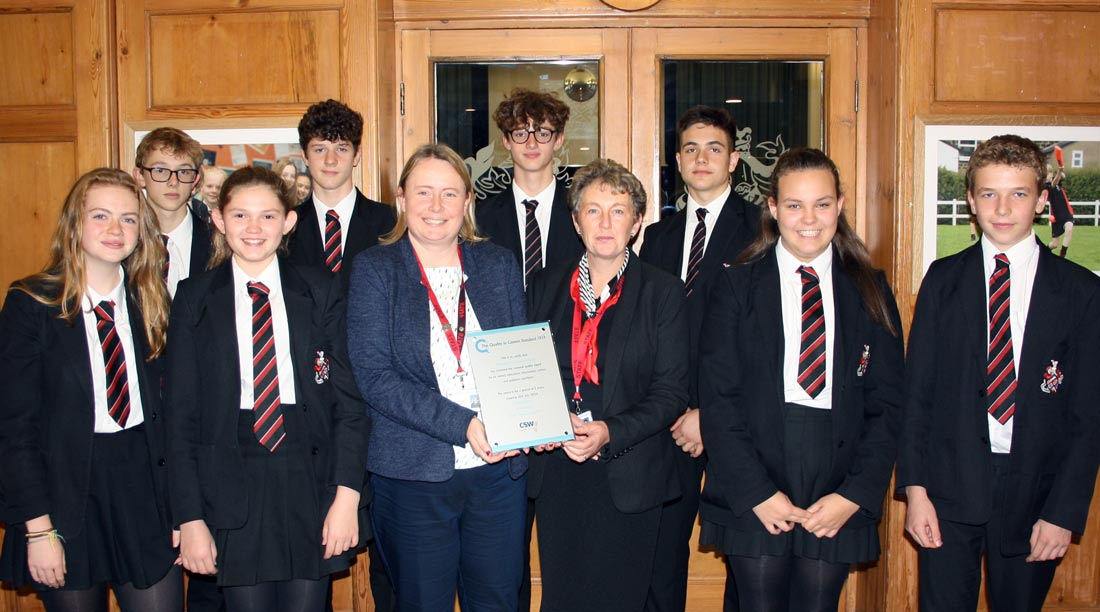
(545, 196)
(714, 208)
(822, 264)
(269, 277)
(1019, 254)
(345, 207)
(183, 229)
(92, 298)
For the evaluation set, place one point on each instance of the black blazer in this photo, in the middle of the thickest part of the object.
(945, 442)
(203, 390)
(47, 416)
(644, 379)
(496, 220)
(200, 240)
(664, 247)
(200, 210)
(741, 389)
(369, 221)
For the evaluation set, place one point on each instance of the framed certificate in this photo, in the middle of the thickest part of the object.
(519, 386)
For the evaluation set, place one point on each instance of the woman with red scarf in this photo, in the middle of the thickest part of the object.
(621, 338)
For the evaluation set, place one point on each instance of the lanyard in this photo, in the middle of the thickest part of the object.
(454, 341)
(584, 352)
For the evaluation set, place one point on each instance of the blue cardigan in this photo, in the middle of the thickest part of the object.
(413, 426)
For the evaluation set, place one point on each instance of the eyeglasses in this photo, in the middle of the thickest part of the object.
(542, 135)
(163, 175)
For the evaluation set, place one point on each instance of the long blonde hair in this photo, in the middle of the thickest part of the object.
(468, 231)
(63, 280)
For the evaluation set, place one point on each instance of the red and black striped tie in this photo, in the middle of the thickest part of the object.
(334, 252)
(811, 355)
(114, 363)
(532, 242)
(268, 411)
(167, 256)
(698, 244)
(1000, 392)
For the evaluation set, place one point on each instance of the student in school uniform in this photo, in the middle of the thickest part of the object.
(269, 433)
(998, 453)
(532, 217)
(336, 221)
(168, 167)
(695, 244)
(800, 372)
(81, 427)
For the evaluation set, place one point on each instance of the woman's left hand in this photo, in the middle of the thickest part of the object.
(590, 438)
(829, 514)
(341, 529)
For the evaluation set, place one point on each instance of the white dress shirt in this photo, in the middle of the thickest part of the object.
(242, 303)
(790, 283)
(103, 421)
(1023, 261)
(545, 198)
(714, 208)
(179, 252)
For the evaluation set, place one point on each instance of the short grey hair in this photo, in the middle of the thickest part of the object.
(611, 173)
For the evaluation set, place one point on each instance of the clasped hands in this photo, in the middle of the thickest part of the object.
(823, 519)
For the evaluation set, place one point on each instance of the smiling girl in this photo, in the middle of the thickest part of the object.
(800, 379)
(269, 432)
(82, 440)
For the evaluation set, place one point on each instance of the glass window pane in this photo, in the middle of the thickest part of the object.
(776, 105)
(466, 94)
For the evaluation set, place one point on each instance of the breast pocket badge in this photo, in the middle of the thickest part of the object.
(864, 359)
(320, 368)
(1052, 378)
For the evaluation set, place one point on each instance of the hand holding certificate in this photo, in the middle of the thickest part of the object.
(522, 401)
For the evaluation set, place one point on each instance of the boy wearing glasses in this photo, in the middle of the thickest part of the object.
(532, 217)
(169, 165)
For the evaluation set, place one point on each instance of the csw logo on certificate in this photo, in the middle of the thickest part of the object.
(523, 403)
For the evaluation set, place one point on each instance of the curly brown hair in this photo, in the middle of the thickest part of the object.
(1007, 150)
(330, 120)
(523, 104)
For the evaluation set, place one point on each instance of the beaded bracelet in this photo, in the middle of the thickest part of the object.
(51, 534)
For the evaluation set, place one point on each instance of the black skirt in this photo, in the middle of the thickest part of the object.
(808, 438)
(281, 538)
(124, 539)
(593, 557)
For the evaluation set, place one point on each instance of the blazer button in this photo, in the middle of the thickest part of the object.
(841, 444)
(153, 416)
(315, 450)
(161, 462)
(981, 392)
(985, 440)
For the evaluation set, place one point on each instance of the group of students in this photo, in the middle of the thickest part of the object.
(183, 396)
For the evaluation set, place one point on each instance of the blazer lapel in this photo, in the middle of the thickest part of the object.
(720, 238)
(220, 307)
(74, 339)
(972, 295)
(308, 232)
(769, 309)
(846, 306)
(413, 298)
(672, 259)
(298, 302)
(141, 350)
(1043, 324)
(620, 331)
(358, 228)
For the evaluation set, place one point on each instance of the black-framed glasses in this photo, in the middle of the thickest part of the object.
(542, 135)
(163, 175)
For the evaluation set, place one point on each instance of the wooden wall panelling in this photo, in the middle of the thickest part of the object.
(457, 10)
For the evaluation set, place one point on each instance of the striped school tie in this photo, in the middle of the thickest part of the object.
(695, 255)
(334, 252)
(268, 411)
(811, 354)
(1000, 374)
(532, 242)
(114, 363)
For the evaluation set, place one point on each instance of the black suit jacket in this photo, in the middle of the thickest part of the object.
(200, 210)
(203, 390)
(741, 389)
(369, 221)
(496, 220)
(664, 247)
(47, 416)
(200, 240)
(644, 379)
(945, 444)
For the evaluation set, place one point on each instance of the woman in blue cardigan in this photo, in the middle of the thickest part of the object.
(447, 511)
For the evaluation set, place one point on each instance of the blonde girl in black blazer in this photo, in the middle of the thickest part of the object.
(82, 482)
(800, 451)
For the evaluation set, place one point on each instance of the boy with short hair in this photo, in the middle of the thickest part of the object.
(695, 244)
(532, 217)
(168, 167)
(998, 453)
(336, 221)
